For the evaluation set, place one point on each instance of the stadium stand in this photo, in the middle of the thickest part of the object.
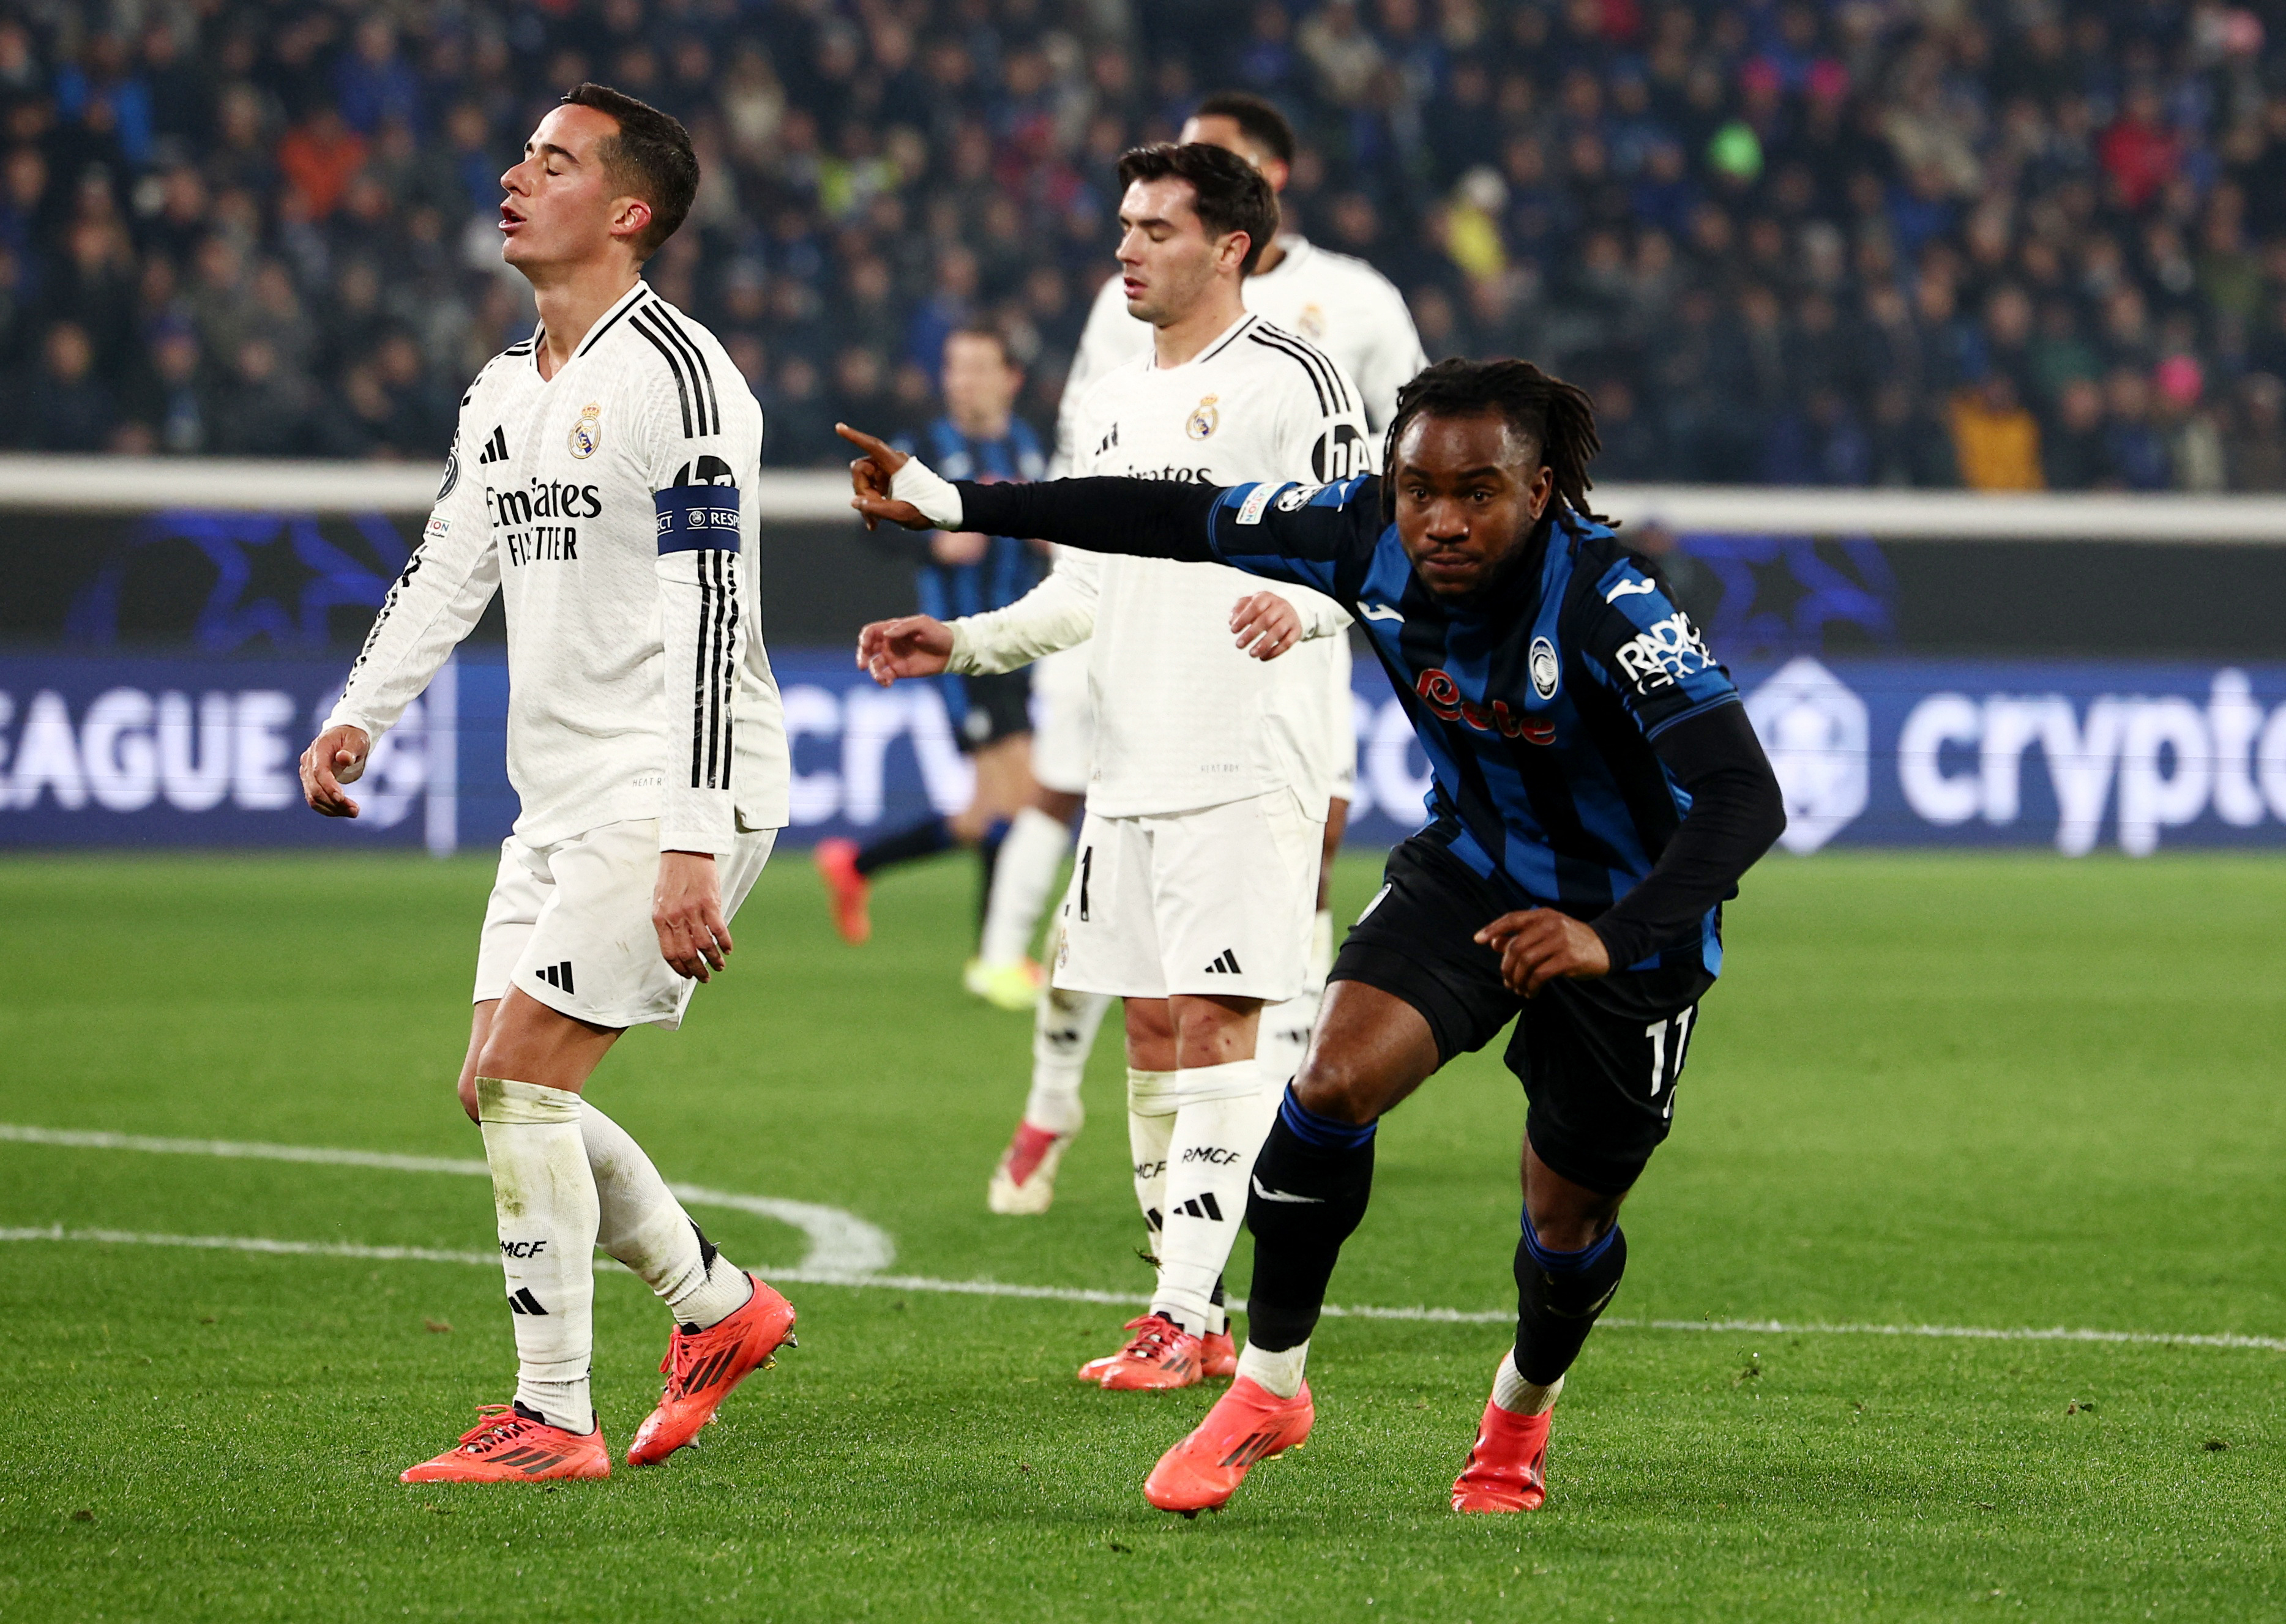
(1869, 242)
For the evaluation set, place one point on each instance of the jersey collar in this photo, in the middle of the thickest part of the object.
(609, 318)
(1215, 346)
(605, 323)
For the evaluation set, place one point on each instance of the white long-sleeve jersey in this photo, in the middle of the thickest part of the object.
(1183, 719)
(605, 505)
(1343, 305)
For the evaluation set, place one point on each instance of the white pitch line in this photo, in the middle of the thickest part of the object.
(840, 1242)
(1079, 1294)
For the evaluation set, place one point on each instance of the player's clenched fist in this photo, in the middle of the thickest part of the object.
(335, 757)
(909, 646)
(686, 910)
(1537, 945)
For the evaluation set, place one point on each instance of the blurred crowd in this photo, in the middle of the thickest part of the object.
(1907, 242)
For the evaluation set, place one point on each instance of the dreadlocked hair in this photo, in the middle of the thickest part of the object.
(1556, 416)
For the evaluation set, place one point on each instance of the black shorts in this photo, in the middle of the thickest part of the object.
(1599, 1060)
(992, 708)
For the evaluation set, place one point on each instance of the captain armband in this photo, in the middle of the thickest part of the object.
(695, 518)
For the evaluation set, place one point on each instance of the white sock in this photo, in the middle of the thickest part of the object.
(1285, 1027)
(1219, 1128)
(1023, 878)
(1279, 1374)
(1519, 1397)
(645, 1228)
(1064, 1025)
(1285, 1040)
(1150, 1126)
(545, 1199)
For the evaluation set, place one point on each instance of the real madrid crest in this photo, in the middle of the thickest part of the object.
(1311, 324)
(1204, 421)
(588, 433)
(1545, 667)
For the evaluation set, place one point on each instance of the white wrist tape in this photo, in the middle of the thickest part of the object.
(929, 491)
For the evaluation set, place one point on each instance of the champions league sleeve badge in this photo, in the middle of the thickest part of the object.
(1205, 420)
(588, 433)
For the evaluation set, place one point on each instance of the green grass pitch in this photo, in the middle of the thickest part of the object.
(1999, 1092)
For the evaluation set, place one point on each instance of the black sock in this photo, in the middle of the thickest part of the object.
(1559, 1296)
(923, 840)
(1310, 1183)
(988, 859)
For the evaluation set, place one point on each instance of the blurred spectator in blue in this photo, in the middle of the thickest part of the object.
(2135, 456)
(65, 406)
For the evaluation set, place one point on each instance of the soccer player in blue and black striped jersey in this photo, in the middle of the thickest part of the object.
(968, 573)
(1598, 793)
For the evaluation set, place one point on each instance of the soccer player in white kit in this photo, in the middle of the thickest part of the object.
(596, 482)
(1354, 313)
(1198, 863)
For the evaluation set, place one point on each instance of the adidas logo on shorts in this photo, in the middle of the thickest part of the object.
(1225, 964)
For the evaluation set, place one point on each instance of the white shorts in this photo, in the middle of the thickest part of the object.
(1343, 714)
(1063, 722)
(571, 923)
(1218, 901)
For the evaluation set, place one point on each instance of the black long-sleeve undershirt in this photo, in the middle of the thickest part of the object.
(1146, 518)
(1737, 811)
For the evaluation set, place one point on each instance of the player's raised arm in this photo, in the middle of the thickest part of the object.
(436, 602)
(1283, 532)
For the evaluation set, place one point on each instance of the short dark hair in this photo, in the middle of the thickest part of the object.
(985, 330)
(1231, 196)
(1256, 119)
(1558, 418)
(650, 156)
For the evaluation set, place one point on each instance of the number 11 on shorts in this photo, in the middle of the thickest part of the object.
(1663, 1077)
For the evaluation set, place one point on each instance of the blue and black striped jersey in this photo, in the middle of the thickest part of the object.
(1010, 568)
(1536, 706)
(1589, 753)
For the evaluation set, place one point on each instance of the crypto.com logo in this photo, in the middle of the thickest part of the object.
(1815, 731)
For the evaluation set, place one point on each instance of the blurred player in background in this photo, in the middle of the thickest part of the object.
(1198, 864)
(1355, 315)
(596, 482)
(966, 573)
(1598, 793)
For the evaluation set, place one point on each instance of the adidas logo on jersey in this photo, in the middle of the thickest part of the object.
(1225, 964)
(558, 975)
(1109, 440)
(495, 448)
(1203, 1206)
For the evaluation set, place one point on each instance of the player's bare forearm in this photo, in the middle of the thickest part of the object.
(335, 757)
(910, 646)
(1539, 945)
(686, 911)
